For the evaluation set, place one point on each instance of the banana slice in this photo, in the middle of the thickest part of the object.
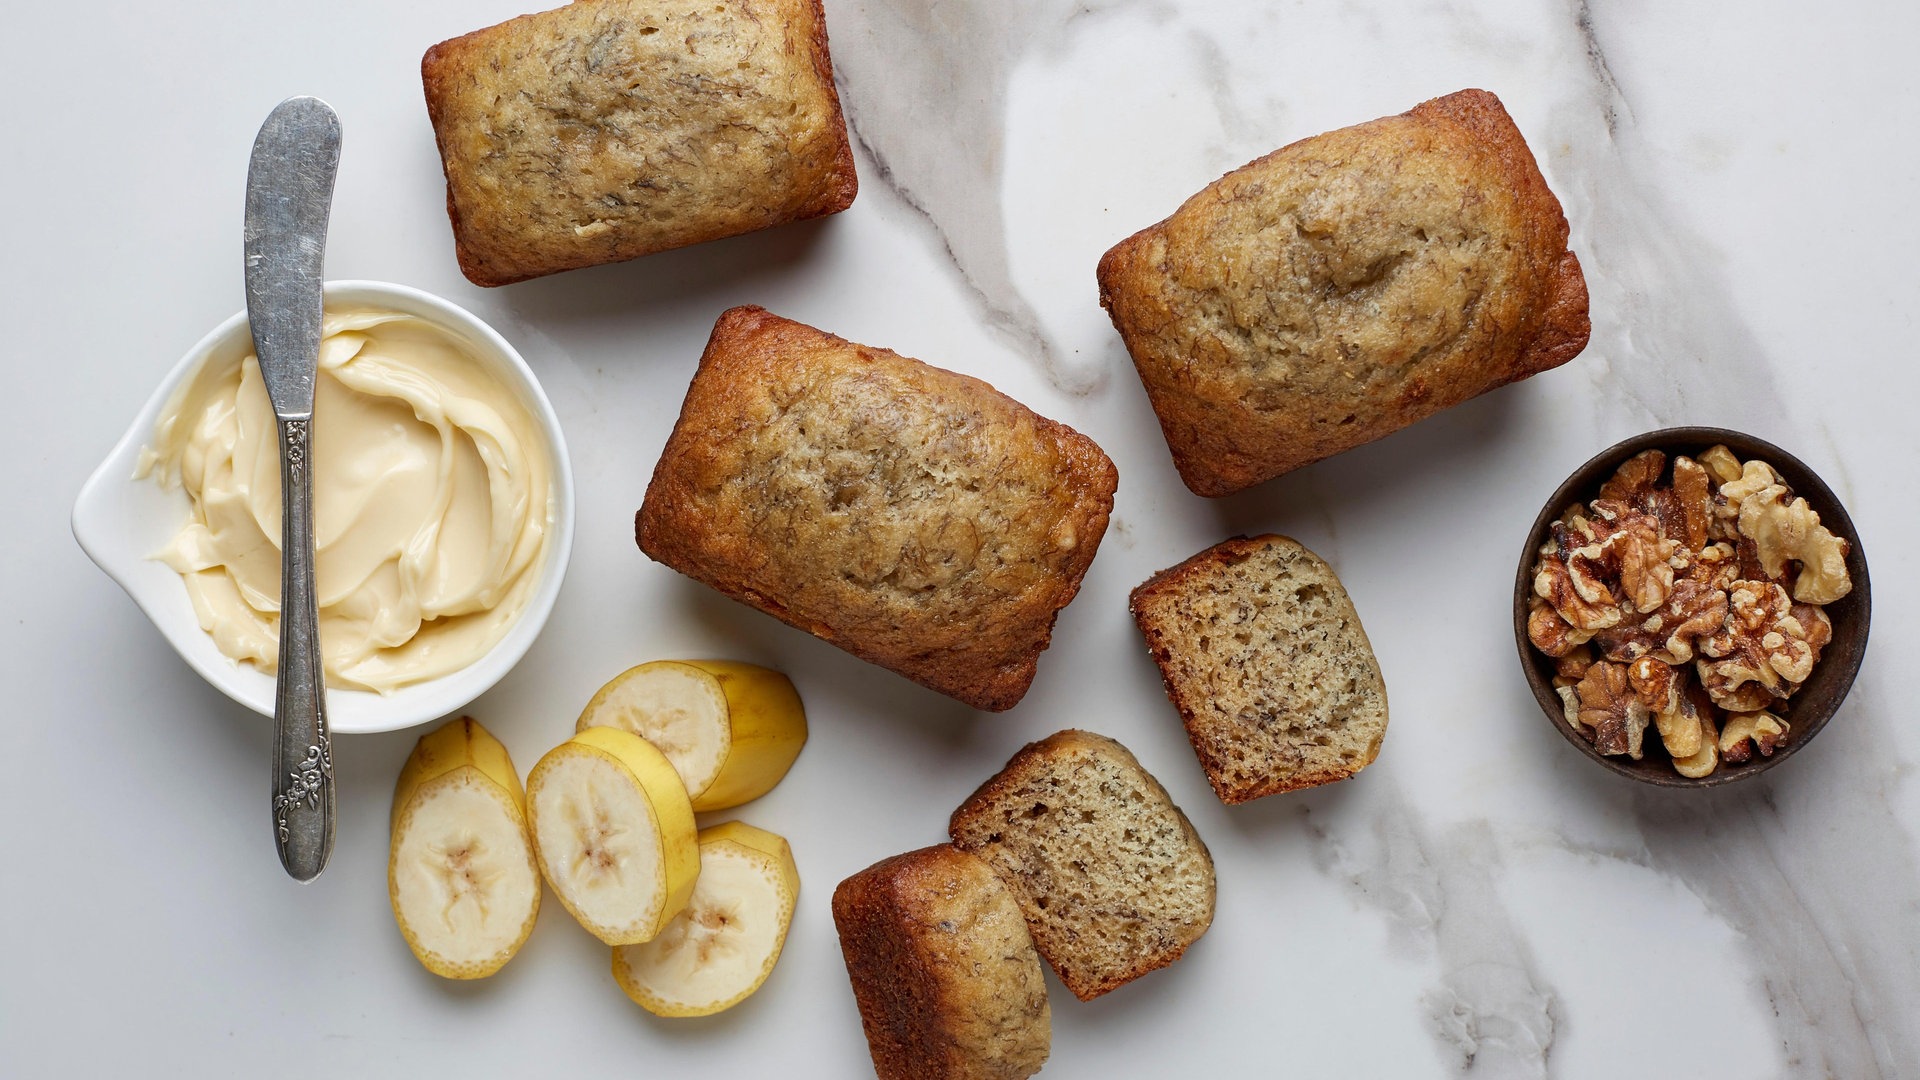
(460, 870)
(613, 833)
(732, 730)
(722, 947)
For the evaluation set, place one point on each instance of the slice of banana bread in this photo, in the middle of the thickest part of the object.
(1264, 656)
(1112, 878)
(943, 969)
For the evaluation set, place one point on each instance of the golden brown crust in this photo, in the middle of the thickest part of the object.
(1253, 732)
(915, 517)
(943, 970)
(610, 129)
(1563, 324)
(1345, 286)
(1111, 876)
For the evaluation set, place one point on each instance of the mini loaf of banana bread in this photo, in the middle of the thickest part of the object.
(917, 518)
(1264, 656)
(1112, 878)
(610, 129)
(943, 969)
(1345, 286)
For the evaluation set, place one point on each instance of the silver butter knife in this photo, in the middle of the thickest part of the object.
(289, 193)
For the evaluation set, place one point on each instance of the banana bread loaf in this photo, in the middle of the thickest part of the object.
(610, 129)
(915, 517)
(1345, 286)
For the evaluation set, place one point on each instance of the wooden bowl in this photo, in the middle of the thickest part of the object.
(1808, 710)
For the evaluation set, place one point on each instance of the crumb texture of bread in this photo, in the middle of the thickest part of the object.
(943, 969)
(1345, 286)
(1111, 876)
(1264, 656)
(610, 129)
(915, 517)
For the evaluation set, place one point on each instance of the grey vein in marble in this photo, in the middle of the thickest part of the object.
(1665, 334)
(911, 66)
(1803, 906)
(1492, 1013)
(1611, 97)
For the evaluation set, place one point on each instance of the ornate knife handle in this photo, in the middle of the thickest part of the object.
(303, 757)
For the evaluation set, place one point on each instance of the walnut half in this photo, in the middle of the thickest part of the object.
(1689, 732)
(1552, 634)
(1765, 644)
(1720, 462)
(1785, 529)
(1631, 551)
(1706, 758)
(1745, 733)
(1692, 501)
(1605, 708)
(1577, 592)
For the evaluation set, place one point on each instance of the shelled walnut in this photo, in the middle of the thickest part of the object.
(1763, 643)
(1746, 733)
(1604, 706)
(1688, 599)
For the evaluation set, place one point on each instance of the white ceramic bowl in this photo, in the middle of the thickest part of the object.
(120, 522)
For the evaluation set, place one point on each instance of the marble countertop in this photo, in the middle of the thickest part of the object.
(1740, 179)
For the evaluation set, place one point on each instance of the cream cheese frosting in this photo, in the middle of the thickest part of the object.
(432, 502)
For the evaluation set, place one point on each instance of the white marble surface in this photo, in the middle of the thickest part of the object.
(1740, 178)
